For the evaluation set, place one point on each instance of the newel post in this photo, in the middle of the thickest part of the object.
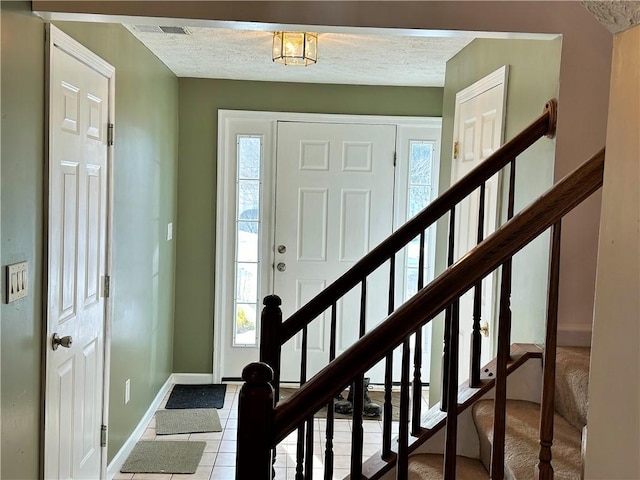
(255, 423)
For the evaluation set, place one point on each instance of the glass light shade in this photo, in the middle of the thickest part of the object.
(295, 48)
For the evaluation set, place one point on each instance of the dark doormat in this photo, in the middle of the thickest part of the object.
(197, 396)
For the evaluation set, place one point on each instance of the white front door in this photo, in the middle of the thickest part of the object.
(478, 129)
(78, 117)
(334, 203)
(335, 160)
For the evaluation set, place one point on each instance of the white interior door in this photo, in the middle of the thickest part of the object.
(79, 99)
(478, 131)
(334, 202)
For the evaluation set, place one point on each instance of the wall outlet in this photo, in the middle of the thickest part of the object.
(169, 231)
(17, 281)
(127, 391)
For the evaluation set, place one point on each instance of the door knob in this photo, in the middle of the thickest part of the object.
(282, 249)
(484, 329)
(281, 267)
(65, 342)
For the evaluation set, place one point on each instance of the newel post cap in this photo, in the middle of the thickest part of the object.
(272, 301)
(257, 372)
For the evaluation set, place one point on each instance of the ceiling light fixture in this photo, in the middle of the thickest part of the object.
(295, 48)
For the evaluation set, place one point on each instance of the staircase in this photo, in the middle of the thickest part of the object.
(515, 437)
(523, 425)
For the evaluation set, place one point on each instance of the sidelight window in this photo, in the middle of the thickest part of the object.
(419, 195)
(248, 231)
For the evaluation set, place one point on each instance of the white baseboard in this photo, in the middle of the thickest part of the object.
(575, 335)
(125, 451)
(123, 454)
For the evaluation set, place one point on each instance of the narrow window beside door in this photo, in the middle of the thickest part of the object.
(420, 167)
(248, 230)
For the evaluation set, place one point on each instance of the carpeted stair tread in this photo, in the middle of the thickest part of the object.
(572, 384)
(429, 466)
(522, 445)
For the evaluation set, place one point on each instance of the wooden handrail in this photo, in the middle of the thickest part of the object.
(455, 281)
(543, 125)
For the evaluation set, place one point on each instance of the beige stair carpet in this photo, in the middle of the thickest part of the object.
(522, 445)
(572, 384)
(429, 466)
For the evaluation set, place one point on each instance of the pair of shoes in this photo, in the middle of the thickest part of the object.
(345, 406)
(370, 409)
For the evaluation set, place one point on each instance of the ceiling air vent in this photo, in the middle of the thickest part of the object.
(176, 30)
(162, 29)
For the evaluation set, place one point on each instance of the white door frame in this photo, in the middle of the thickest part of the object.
(225, 195)
(58, 39)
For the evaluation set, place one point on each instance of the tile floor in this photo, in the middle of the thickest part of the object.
(218, 460)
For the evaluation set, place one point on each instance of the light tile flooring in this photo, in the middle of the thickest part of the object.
(218, 460)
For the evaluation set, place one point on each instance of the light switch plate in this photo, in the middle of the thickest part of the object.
(17, 281)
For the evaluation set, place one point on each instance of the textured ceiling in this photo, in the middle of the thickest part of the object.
(615, 15)
(342, 58)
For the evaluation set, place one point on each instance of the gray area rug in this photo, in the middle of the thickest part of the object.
(188, 420)
(150, 456)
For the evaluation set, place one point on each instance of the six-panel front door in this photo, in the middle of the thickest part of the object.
(77, 262)
(334, 202)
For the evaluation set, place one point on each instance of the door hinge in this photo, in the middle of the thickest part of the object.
(456, 150)
(110, 134)
(395, 158)
(106, 287)
(103, 436)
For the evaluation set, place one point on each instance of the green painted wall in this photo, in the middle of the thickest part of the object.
(145, 201)
(199, 104)
(534, 72)
(22, 84)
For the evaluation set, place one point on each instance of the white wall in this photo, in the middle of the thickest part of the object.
(613, 441)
